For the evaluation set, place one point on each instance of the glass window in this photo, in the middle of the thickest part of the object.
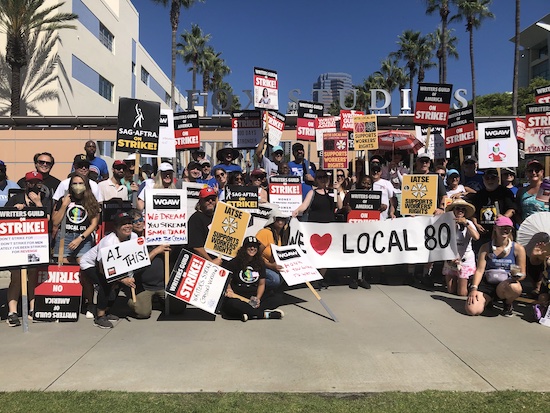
(167, 100)
(106, 37)
(145, 76)
(541, 70)
(105, 88)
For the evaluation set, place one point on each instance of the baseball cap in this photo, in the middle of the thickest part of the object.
(147, 167)
(423, 156)
(207, 192)
(511, 171)
(503, 221)
(377, 158)
(29, 176)
(204, 162)
(2, 165)
(257, 172)
(452, 172)
(165, 167)
(277, 148)
(250, 240)
(81, 160)
(193, 165)
(122, 218)
(118, 162)
(198, 150)
(491, 172)
(534, 164)
(470, 159)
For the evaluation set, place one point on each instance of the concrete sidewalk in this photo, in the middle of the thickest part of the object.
(391, 337)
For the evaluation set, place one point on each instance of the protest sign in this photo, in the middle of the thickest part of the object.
(193, 189)
(323, 125)
(247, 131)
(542, 94)
(167, 140)
(276, 122)
(346, 119)
(537, 133)
(365, 133)
(243, 197)
(433, 101)
(138, 126)
(197, 281)
(166, 216)
(286, 192)
(297, 268)
(408, 240)
(58, 293)
(258, 218)
(365, 205)
(24, 238)
(419, 194)
(436, 144)
(305, 122)
(186, 130)
(121, 258)
(462, 129)
(335, 150)
(227, 230)
(497, 145)
(266, 95)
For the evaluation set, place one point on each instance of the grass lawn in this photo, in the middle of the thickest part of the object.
(427, 401)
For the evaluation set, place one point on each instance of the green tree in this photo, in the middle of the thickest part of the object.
(19, 20)
(441, 6)
(425, 54)
(437, 39)
(390, 76)
(213, 70)
(192, 48)
(515, 81)
(408, 51)
(175, 9)
(473, 12)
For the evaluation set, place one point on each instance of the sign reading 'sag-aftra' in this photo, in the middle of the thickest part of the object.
(138, 126)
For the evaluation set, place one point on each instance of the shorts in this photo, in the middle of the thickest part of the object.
(82, 249)
(467, 267)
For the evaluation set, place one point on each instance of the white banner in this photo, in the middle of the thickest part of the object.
(297, 268)
(166, 216)
(124, 257)
(409, 240)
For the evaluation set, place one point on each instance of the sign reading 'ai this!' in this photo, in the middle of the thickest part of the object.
(433, 101)
(138, 126)
(165, 216)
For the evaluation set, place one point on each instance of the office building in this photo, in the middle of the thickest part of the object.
(328, 85)
(534, 41)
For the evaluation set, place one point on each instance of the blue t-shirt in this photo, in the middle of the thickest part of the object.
(5, 190)
(297, 169)
(228, 168)
(101, 165)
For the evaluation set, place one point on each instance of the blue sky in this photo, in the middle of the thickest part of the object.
(301, 39)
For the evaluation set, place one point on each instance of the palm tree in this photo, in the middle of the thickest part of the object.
(19, 19)
(437, 38)
(408, 51)
(222, 97)
(443, 7)
(389, 76)
(473, 12)
(424, 55)
(515, 83)
(192, 48)
(213, 69)
(175, 8)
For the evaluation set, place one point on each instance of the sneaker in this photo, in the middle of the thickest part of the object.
(111, 317)
(353, 284)
(244, 318)
(89, 315)
(508, 310)
(102, 322)
(364, 284)
(13, 320)
(537, 312)
(273, 314)
(427, 281)
(30, 316)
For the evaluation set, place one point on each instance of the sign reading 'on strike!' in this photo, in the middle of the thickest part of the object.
(433, 101)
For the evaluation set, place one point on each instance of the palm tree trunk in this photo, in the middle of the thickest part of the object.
(174, 21)
(444, 15)
(15, 90)
(515, 83)
(206, 76)
(472, 70)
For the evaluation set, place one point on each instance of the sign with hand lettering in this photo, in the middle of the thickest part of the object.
(119, 259)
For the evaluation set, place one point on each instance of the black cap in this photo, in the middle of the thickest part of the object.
(297, 146)
(81, 160)
(122, 218)
(470, 158)
(250, 240)
(491, 172)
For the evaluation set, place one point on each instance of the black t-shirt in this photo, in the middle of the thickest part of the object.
(485, 203)
(78, 219)
(244, 278)
(198, 226)
(21, 199)
(151, 278)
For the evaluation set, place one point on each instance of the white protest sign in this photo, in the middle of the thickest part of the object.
(286, 192)
(497, 145)
(167, 139)
(297, 268)
(399, 241)
(126, 256)
(165, 216)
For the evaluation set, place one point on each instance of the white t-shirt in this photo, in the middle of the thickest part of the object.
(388, 191)
(64, 187)
(108, 241)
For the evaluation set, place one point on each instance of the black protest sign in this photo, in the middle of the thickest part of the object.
(242, 197)
(365, 200)
(186, 130)
(138, 126)
(58, 293)
(433, 102)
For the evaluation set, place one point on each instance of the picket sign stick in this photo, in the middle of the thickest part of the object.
(461, 155)
(329, 311)
(133, 294)
(24, 303)
(166, 279)
(428, 137)
(136, 179)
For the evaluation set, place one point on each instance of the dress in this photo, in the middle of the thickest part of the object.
(321, 208)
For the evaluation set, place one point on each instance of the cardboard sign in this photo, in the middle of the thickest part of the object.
(335, 150)
(537, 133)
(365, 200)
(346, 119)
(166, 216)
(419, 194)
(363, 216)
(24, 238)
(120, 259)
(323, 125)
(542, 94)
(286, 192)
(266, 95)
(227, 230)
(436, 145)
(243, 197)
(167, 140)
(462, 129)
(58, 293)
(276, 122)
(247, 131)
(305, 122)
(138, 126)
(297, 269)
(497, 145)
(433, 101)
(365, 133)
(197, 282)
(186, 130)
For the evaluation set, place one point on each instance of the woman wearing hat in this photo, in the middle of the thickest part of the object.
(458, 271)
(226, 156)
(455, 190)
(244, 296)
(164, 179)
(500, 266)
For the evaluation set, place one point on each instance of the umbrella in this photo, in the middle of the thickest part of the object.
(535, 228)
(394, 140)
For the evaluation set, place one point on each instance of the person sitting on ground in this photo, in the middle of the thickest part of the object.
(539, 262)
(276, 232)
(458, 271)
(500, 266)
(244, 297)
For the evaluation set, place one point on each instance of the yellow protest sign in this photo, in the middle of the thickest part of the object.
(227, 230)
(365, 133)
(419, 194)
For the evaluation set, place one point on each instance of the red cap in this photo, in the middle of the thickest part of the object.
(119, 162)
(29, 176)
(206, 192)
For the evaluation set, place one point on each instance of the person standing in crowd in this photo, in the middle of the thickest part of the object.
(458, 271)
(245, 295)
(472, 179)
(455, 190)
(526, 197)
(276, 232)
(5, 185)
(257, 178)
(147, 171)
(235, 178)
(270, 166)
(496, 278)
(284, 169)
(164, 179)
(90, 147)
(198, 155)
(508, 179)
(113, 187)
(376, 160)
(199, 224)
(226, 156)
(81, 210)
(206, 170)
(43, 163)
(194, 172)
(388, 193)
(395, 168)
(81, 166)
(301, 167)
(129, 179)
(221, 181)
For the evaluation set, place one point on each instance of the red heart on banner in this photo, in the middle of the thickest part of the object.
(320, 243)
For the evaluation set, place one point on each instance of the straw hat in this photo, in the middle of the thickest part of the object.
(470, 209)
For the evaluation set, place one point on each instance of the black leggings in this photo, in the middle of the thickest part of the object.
(104, 290)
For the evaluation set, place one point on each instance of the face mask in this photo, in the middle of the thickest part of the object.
(78, 188)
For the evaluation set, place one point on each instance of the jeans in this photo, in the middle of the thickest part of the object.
(272, 279)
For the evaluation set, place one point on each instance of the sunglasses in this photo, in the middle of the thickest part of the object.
(488, 177)
(210, 198)
(506, 230)
(83, 167)
(120, 167)
(339, 176)
(46, 163)
(138, 220)
(220, 175)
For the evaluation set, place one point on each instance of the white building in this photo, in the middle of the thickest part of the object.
(103, 60)
(534, 60)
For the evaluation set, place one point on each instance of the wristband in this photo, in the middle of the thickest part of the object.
(473, 287)
(82, 237)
